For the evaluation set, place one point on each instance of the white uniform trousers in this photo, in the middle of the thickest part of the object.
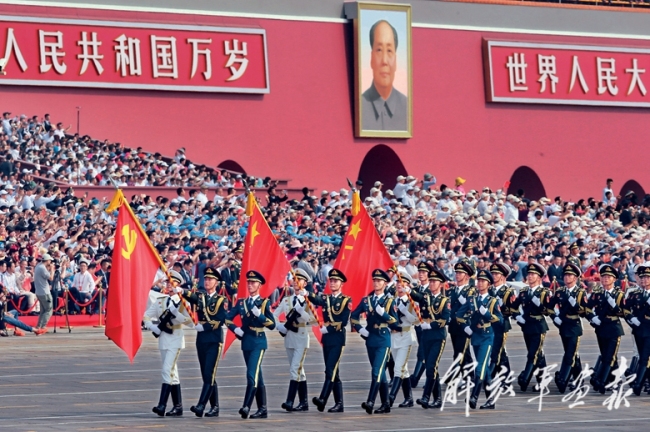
(401, 358)
(169, 366)
(296, 358)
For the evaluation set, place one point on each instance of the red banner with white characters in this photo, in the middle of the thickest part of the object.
(522, 72)
(125, 55)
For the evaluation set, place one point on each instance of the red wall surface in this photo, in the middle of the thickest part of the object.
(303, 129)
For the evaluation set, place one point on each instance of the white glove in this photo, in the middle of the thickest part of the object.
(536, 301)
(363, 332)
(239, 332)
(199, 327)
(572, 301)
(148, 325)
(323, 330)
(520, 319)
(468, 331)
(407, 290)
(156, 330)
(611, 301)
(482, 310)
(500, 300)
(173, 308)
(178, 290)
(425, 326)
(303, 292)
(635, 321)
(462, 300)
(403, 308)
(256, 311)
(595, 320)
(300, 308)
(281, 328)
(557, 321)
(380, 310)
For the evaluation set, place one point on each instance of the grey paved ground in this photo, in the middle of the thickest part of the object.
(82, 382)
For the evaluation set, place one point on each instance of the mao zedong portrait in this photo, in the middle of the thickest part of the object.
(383, 107)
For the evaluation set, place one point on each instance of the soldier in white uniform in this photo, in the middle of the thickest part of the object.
(403, 342)
(171, 315)
(295, 331)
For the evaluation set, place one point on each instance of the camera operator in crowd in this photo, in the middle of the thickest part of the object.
(43, 275)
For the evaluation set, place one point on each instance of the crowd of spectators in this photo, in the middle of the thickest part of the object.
(418, 220)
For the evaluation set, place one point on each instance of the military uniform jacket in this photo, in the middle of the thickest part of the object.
(435, 310)
(455, 326)
(211, 314)
(469, 315)
(598, 305)
(534, 315)
(336, 314)
(570, 315)
(405, 336)
(175, 340)
(253, 327)
(420, 289)
(298, 339)
(505, 296)
(636, 306)
(379, 326)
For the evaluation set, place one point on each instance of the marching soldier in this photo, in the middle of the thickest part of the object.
(574, 254)
(435, 310)
(295, 331)
(533, 303)
(458, 297)
(505, 296)
(255, 313)
(381, 318)
(336, 313)
(402, 341)
(171, 315)
(605, 307)
(638, 316)
(211, 309)
(478, 315)
(422, 288)
(571, 301)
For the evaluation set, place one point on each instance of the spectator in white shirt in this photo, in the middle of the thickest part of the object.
(608, 188)
(83, 286)
(202, 196)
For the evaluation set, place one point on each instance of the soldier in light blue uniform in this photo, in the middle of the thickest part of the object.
(381, 318)
(477, 316)
(255, 313)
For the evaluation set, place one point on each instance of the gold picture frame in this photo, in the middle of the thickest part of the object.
(379, 78)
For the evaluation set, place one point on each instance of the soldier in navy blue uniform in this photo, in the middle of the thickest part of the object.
(255, 313)
(381, 318)
(505, 296)
(571, 302)
(211, 311)
(478, 315)
(336, 314)
(423, 287)
(458, 297)
(534, 303)
(605, 307)
(435, 310)
(637, 307)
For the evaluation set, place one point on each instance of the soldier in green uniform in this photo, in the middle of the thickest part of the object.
(571, 301)
(211, 311)
(605, 307)
(574, 254)
(458, 297)
(381, 318)
(336, 313)
(435, 310)
(505, 296)
(255, 313)
(423, 287)
(637, 308)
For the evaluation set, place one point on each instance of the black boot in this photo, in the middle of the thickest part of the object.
(602, 379)
(291, 395)
(437, 394)
(260, 398)
(562, 377)
(637, 386)
(426, 394)
(214, 402)
(594, 376)
(408, 394)
(417, 374)
(383, 395)
(476, 391)
(302, 395)
(372, 395)
(524, 377)
(634, 363)
(198, 409)
(177, 410)
(489, 404)
(397, 383)
(321, 401)
(338, 398)
(248, 401)
(162, 402)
